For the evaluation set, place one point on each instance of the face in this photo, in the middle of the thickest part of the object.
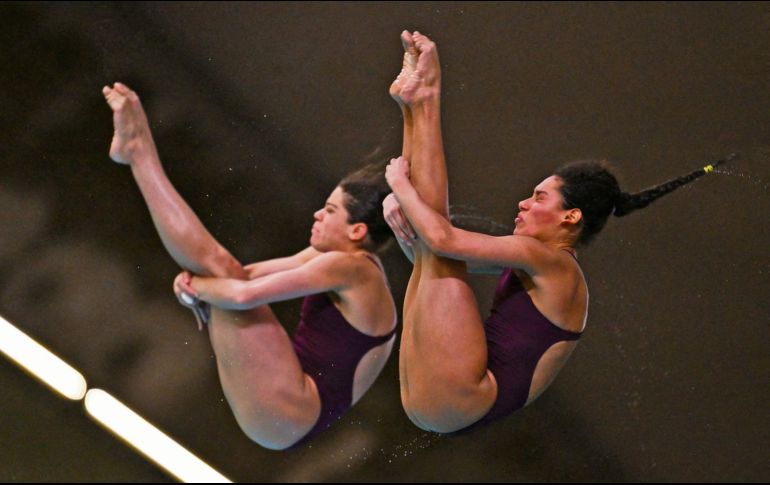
(541, 215)
(331, 229)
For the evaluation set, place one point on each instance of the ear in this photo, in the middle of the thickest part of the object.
(357, 232)
(573, 216)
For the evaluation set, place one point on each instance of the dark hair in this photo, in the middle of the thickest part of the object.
(365, 189)
(590, 186)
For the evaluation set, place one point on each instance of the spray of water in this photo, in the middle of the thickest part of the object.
(757, 156)
(405, 450)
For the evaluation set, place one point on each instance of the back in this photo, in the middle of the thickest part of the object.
(518, 336)
(343, 360)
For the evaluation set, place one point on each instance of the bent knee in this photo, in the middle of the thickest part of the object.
(439, 418)
(279, 422)
(448, 410)
(447, 415)
(275, 433)
(271, 441)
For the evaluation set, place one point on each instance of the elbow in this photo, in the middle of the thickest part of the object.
(243, 299)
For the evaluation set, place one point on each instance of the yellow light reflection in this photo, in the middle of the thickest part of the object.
(40, 362)
(149, 440)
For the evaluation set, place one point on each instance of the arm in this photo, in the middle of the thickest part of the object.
(406, 236)
(479, 250)
(332, 271)
(264, 268)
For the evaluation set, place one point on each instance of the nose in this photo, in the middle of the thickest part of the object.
(318, 215)
(524, 205)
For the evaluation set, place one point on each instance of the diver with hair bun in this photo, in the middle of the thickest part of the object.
(281, 390)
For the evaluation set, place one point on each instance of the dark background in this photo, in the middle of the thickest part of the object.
(259, 109)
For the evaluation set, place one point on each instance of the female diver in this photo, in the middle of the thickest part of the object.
(457, 371)
(281, 390)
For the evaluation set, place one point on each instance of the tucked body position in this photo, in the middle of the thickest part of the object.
(281, 389)
(457, 370)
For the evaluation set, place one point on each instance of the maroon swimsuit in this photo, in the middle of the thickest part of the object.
(517, 337)
(329, 349)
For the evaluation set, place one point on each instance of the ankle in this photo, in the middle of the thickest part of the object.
(426, 108)
(429, 99)
(143, 153)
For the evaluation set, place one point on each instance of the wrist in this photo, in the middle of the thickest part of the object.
(405, 193)
(400, 187)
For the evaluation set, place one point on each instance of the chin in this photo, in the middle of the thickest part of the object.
(314, 243)
(522, 232)
(320, 247)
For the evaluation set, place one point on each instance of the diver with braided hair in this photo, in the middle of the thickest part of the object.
(456, 370)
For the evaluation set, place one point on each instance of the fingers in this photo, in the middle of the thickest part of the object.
(397, 221)
(397, 170)
(399, 162)
(401, 229)
(186, 287)
(403, 223)
(184, 291)
(404, 165)
(405, 230)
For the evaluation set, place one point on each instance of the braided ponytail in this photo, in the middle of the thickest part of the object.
(590, 186)
(627, 203)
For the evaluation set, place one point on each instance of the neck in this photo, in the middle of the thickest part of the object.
(350, 248)
(571, 250)
(562, 245)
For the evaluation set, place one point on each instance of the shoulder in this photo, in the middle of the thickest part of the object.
(561, 275)
(550, 261)
(346, 266)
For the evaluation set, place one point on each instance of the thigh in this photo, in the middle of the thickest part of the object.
(450, 386)
(273, 400)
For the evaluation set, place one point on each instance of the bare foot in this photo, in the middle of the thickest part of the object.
(132, 131)
(424, 82)
(407, 69)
